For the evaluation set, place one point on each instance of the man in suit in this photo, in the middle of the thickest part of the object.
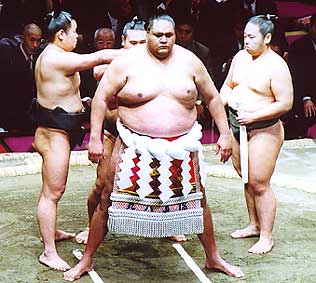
(17, 61)
(302, 62)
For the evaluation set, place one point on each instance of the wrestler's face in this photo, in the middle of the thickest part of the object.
(133, 38)
(70, 37)
(255, 42)
(161, 38)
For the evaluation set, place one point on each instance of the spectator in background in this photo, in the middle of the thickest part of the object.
(17, 88)
(103, 39)
(302, 62)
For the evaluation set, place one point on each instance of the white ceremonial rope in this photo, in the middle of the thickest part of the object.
(243, 153)
(92, 273)
(191, 264)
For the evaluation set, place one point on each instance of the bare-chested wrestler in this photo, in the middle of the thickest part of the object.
(258, 90)
(59, 115)
(133, 34)
(157, 116)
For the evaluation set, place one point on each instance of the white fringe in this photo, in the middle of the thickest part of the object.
(155, 225)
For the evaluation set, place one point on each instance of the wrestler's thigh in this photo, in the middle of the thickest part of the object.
(264, 147)
(55, 150)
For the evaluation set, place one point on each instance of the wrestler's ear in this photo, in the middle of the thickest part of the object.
(123, 40)
(61, 34)
(267, 38)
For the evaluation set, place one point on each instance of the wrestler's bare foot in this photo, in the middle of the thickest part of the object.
(53, 261)
(85, 265)
(62, 235)
(263, 246)
(221, 265)
(249, 231)
(179, 238)
(82, 237)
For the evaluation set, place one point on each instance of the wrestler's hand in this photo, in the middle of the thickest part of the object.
(224, 147)
(95, 151)
(245, 118)
(309, 108)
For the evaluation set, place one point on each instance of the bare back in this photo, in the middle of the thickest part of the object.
(55, 85)
(158, 98)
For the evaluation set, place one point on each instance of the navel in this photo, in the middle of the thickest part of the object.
(140, 94)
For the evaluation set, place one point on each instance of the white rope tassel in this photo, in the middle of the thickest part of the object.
(144, 175)
(185, 166)
(243, 153)
(164, 179)
(126, 168)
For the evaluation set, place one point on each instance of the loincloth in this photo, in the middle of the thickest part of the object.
(58, 118)
(157, 186)
(234, 125)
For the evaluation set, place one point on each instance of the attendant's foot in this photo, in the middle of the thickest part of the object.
(179, 238)
(249, 231)
(218, 264)
(53, 261)
(82, 237)
(77, 271)
(263, 246)
(62, 235)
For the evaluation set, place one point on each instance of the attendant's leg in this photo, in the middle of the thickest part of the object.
(261, 167)
(252, 229)
(55, 150)
(95, 193)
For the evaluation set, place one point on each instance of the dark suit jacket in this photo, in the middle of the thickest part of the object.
(302, 63)
(17, 88)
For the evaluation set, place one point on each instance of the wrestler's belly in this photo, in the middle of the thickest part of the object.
(162, 122)
(245, 99)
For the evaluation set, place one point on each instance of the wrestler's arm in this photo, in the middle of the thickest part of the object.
(71, 62)
(227, 86)
(111, 83)
(210, 96)
(98, 71)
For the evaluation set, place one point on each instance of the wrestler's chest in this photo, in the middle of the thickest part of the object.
(175, 85)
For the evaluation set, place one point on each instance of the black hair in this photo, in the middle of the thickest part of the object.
(59, 21)
(264, 23)
(157, 17)
(134, 24)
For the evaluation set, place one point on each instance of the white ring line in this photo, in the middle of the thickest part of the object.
(92, 273)
(191, 264)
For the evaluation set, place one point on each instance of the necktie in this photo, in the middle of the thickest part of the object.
(30, 63)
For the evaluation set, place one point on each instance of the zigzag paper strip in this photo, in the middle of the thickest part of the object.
(144, 174)
(164, 179)
(186, 186)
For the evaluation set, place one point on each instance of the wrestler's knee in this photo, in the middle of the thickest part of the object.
(258, 187)
(54, 191)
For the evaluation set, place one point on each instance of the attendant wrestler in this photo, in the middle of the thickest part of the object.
(59, 114)
(258, 90)
(133, 34)
(151, 107)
